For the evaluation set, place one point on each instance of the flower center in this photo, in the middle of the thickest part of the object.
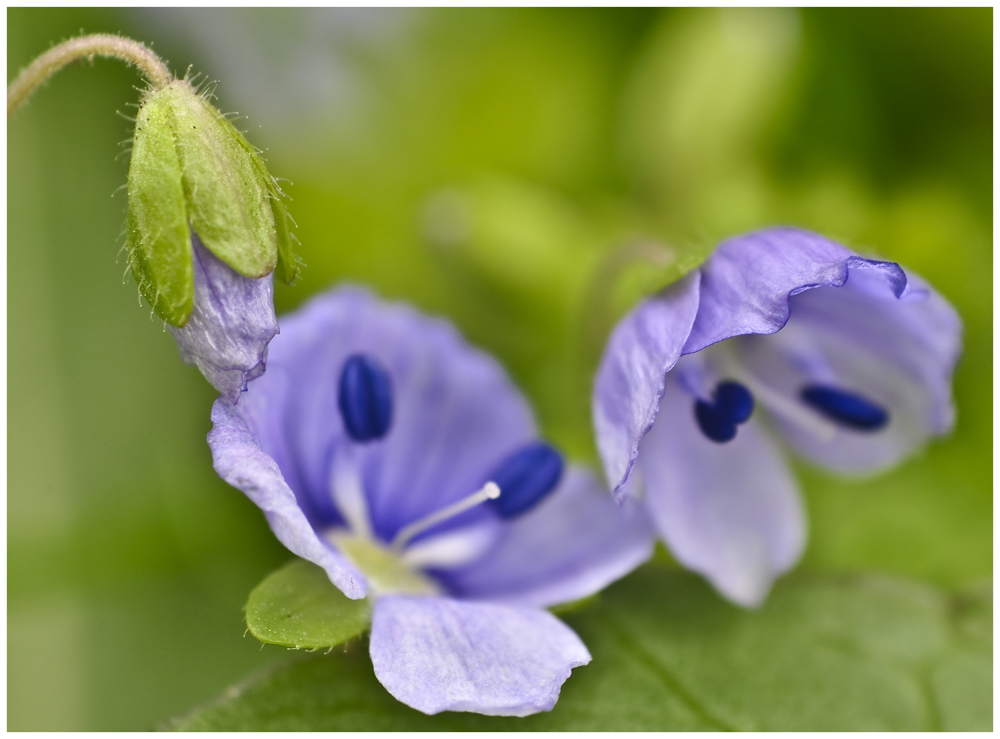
(731, 405)
(819, 407)
(385, 569)
(394, 568)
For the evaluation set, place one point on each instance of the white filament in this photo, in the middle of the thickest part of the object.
(489, 491)
(349, 495)
(793, 410)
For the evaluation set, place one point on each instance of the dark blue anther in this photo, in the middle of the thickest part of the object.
(525, 477)
(732, 405)
(847, 409)
(365, 398)
(734, 400)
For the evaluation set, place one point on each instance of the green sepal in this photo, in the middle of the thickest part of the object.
(299, 607)
(158, 238)
(228, 198)
(288, 262)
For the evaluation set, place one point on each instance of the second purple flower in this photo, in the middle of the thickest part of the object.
(781, 339)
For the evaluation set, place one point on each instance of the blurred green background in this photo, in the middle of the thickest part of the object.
(527, 173)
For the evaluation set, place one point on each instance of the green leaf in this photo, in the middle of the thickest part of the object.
(299, 607)
(157, 234)
(824, 653)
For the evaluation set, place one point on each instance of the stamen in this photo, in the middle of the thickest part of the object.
(734, 400)
(776, 401)
(848, 409)
(527, 476)
(365, 398)
(712, 423)
(489, 491)
(732, 405)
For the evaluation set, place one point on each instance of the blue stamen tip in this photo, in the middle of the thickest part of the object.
(525, 478)
(365, 398)
(732, 405)
(734, 400)
(847, 409)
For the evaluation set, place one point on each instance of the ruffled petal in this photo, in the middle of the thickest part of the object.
(438, 654)
(897, 352)
(730, 511)
(748, 280)
(572, 545)
(456, 414)
(232, 322)
(238, 459)
(644, 346)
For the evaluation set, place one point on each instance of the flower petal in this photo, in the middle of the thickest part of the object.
(730, 511)
(238, 459)
(748, 280)
(574, 543)
(896, 352)
(230, 326)
(456, 414)
(438, 654)
(644, 346)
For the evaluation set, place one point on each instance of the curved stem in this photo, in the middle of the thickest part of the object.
(85, 47)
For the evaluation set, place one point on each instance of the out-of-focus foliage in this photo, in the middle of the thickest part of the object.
(824, 654)
(529, 174)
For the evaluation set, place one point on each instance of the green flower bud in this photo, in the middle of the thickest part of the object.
(192, 171)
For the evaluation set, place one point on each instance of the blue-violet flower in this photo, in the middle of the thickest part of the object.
(781, 334)
(377, 444)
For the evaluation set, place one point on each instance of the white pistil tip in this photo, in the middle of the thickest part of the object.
(489, 491)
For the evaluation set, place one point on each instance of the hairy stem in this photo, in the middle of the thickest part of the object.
(85, 47)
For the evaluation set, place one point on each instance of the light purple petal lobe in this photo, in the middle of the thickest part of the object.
(439, 654)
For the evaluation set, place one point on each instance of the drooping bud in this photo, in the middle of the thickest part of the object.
(194, 177)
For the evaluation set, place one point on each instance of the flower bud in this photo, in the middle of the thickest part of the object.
(194, 178)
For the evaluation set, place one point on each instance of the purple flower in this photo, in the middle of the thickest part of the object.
(375, 445)
(781, 336)
(230, 326)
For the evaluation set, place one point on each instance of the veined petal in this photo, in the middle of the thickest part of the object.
(897, 352)
(456, 414)
(644, 346)
(730, 511)
(572, 545)
(230, 325)
(238, 459)
(438, 654)
(747, 282)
